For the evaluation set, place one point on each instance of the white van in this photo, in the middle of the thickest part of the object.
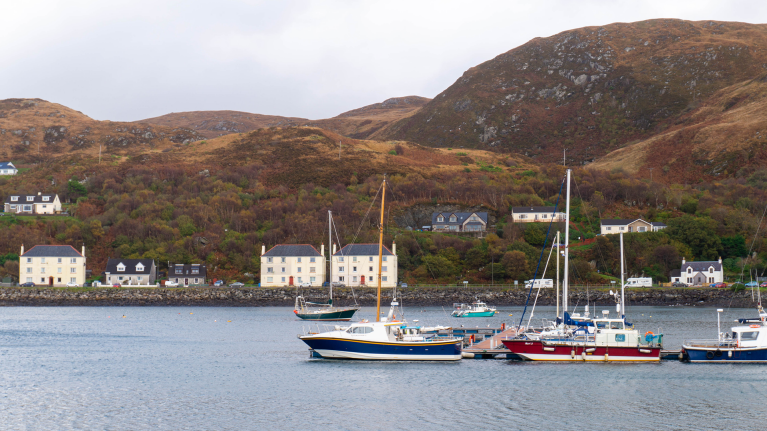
(544, 283)
(639, 282)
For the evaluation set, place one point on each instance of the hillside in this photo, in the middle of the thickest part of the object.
(725, 135)
(589, 90)
(33, 129)
(360, 123)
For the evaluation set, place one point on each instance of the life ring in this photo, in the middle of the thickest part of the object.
(709, 355)
(718, 353)
(648, 333)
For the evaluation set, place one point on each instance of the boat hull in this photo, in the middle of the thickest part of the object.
(338, 348)
(746, 355)
(342, 315)
(476, 314)
(534, 350)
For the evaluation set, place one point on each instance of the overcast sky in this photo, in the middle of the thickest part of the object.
(129, 60)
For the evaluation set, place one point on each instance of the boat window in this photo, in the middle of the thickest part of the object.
(749, 336)
(601, 325)
(360, 330)
(620, 338)
(616, 325)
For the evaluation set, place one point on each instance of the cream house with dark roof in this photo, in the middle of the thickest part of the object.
(33, 204)
(610, 226)
(292, 265)
(536, 214)
(52, 265)
(699, 273)
(130, 272)
(357, 265)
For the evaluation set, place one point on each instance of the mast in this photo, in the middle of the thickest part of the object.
(566, 282)
(380, 252)
(557, 274)
(330, 254)
(623, 305)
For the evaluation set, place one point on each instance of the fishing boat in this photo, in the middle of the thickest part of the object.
(475, 309)
(324, 311)
(747, 343)
(388, 339)
(587, 339)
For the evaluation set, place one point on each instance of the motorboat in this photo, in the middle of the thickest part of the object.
(475, 309)
(746, 343)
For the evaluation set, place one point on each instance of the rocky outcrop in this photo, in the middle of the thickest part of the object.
(422, 296)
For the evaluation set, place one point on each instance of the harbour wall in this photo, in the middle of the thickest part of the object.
(413, 296)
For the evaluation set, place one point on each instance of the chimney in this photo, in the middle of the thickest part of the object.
(682, 261)
(720, 260)
(39, 193)
(394, 248)
(263, 249)
(334, 248)
(22, 250)
(83, 251)
(322, 250)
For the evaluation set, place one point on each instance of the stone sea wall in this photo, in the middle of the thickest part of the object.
(414, 296)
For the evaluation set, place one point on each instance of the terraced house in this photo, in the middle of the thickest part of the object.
(459, 222)
(33, 204)
(357, 265)
(292, 265)
(52, 265)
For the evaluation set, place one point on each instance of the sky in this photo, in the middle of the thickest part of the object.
(129, 60)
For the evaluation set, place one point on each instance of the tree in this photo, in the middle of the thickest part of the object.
(734, 246)
(535, 233)
(438, 266)
(515, 264)
(76, 189)
(96, 230)
(698, 233)
(667, 257)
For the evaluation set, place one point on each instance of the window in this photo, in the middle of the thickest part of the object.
(29, 260)
(13, 207)
(299, 279)
(73, 260)
(299, 260)
(270, 279)
(340, 269)
(58, 270)
(370, 268)
(710, 269)
(440, 219)
(689, 270)
(46, 198)
(59, 261)
(42, 260)
(270, 270)
(58, 280)
(311, 269)
(29, 279)
(195, 270)
(42, 279)
(139, 267)
(45, 206)
(383, 268)
(354, 259)
(312, 279)
(120, 278)
(42, 270)
(609, 228)
(453, 219)
(120, 268)
(641, 229)
(623, 228)
(73, 280)
(196, 280)
(370, 259)
(384, 258)
(282, 260)
(312, 259)
(354, 269)
(283, 279)
(354, 278)
(749, 336)
(179, 270)
(15, 199)
(522, 216)
(269, 260)
(139, 278)
(341, 278)
(384, 278)
(30, 198)
(545, 216)
(298, 269)
(340, 258)
(29, 270)
(283, 269)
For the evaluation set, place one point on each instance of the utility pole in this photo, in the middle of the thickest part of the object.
(99, 153)
(339, 149)
(651, 174)
(564, 158)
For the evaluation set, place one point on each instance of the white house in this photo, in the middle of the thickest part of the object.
(536, 214)
(7, 168)
(129, 272)
(292, 264)
(699, 273)
(357, 265)
(610, 226)
(52, 265)
(33, 204)
(459, 222)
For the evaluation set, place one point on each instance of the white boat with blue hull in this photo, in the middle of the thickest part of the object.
(747, 343)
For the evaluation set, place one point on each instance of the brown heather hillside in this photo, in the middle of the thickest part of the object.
(33, 129)
(360, 123)
(590, 90)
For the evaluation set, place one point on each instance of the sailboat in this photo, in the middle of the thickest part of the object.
(388, 339)
(602, 339)
(324, 311)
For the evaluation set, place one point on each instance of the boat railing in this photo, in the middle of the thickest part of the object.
(728, 343)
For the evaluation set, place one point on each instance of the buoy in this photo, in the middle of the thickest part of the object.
(510, 314)
(123, 316)
(228, 320)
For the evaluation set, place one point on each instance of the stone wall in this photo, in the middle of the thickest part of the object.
(442, 296)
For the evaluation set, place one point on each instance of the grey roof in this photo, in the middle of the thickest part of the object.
(7, 165)
(460, 218)
(130, 266)
(52, 251)
(287, 250)
(530, 210)
(38, 199)
(617, 221)
(362, 250)
(702, 266)
(658, 224)
(675, 273)
(186, 270)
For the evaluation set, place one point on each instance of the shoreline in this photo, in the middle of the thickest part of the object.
(412, 296)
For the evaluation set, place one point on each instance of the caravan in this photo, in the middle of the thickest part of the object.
(544, 283)
(639, 282)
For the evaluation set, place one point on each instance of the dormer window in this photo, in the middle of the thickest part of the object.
(139, 267)
(440, 219)
(30, 198)
(120, 267)
(14, 198)
(453, 219)
(689, 270)
(179, 270)
(46, 198)
(710, 269)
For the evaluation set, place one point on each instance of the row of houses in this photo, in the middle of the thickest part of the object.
(59, 265)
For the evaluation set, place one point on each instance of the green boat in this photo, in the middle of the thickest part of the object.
(476, 309)
(322, 311)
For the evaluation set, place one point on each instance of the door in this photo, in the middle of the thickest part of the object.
(362, 280)
(50, 281)
(291, 281)
(186, 282)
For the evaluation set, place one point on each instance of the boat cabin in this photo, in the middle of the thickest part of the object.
(748, 336)
(614, 333)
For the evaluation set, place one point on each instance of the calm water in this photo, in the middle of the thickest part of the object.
(190, 368)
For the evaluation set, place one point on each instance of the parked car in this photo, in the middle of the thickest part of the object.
(171, 283)
(752, 284)
(712, 285)
(679, 284)
(219, 283)
(305, 284)
(117, 285)
(71, 284)
(403, 285)
(338, 284)
(236, 284)
(28, 284)
(763, 284)
(721, 285)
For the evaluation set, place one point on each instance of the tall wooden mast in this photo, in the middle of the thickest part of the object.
(380, 252)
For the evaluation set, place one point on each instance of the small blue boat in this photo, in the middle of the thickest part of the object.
(476, 309)
(746, 343)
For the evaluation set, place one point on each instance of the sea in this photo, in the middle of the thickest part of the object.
(221, 368)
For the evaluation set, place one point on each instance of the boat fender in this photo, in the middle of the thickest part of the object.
(590, 350)
(718, 353)
(729, 354)
(645, 351)
(709, 355)
(607, 357)
(572, 354)
(548, 349)
(583, 355)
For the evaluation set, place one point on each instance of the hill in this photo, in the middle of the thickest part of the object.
(34, 129)
(589, 90)
(360, 123)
